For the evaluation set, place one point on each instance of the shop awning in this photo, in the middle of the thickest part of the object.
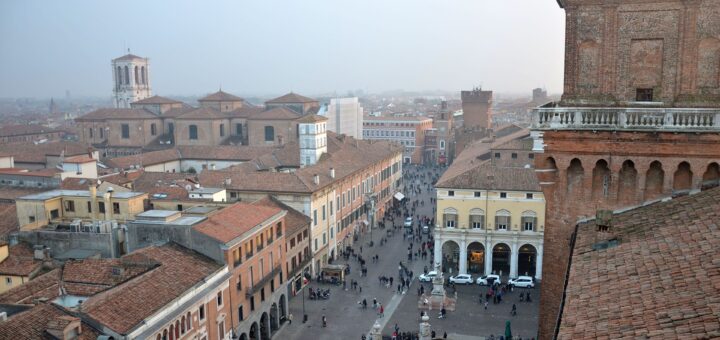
(399, 196)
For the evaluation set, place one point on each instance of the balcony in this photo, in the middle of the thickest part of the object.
(263, 281)
(626, 118)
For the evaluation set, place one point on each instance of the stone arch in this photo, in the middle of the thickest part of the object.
(127, 76)
(274, 318)
(601, 180)
(627, 182)
(119, 77)
(283, 309)
(654, 179)
(475, 258)
(143, 75)
(264, 331)
(137, 76)
(243, 336)
(711, 177)
(709, 63)
(451, 256)
(682, 179)
(527, 260)
(254, 334)
(548, 171)
(575, 176)
(501, 259)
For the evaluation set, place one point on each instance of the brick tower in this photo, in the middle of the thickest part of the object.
(639, 118)
(477, 109)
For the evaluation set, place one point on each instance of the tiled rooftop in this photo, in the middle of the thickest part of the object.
(77, 193)
(220, 96)
(235, 220)
(291, 98)
(20, 261)
(34, 323)
(654, 274)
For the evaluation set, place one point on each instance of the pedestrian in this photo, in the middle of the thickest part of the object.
(514, 310)
(399, 287)
(324, 321)
(290, 319)
(486, 303)
(382, 311)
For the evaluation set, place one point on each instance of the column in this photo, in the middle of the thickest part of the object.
(513, 259)
(488, 258)
(538, 262)
(437, 252)
(463, 257)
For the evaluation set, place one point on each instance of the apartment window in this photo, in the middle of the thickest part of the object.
(529, 220)
(116, 208)
(331, 208)
(252, 303)
(153, 129)
(179, 207)
(324, 238)
(477, 218)
(91, 132)
(644, 95)
(8, 281)
(529, 196)
(316, 244)
(201, 312)
(503, 195)
(241, 314)
(451, 193)
(221, 329)
(502, 220)
(262, 294)
(450, 217)
(70, 206)
(477, 194)
(102, 134)
(219, 299)
(193, 132)
(269, 133)
(237, 256)
(239, 282)
(238, 129)
(531, 155)
(125, 130)
(315, 220)
(514, 155)
(323, 212)
(89, 207)
(497, 155)
(101, 207)
(222, 130)
(278, 229)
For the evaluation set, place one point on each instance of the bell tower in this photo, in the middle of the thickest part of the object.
(131, 80)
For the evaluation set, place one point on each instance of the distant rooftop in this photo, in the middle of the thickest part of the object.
(76, 193)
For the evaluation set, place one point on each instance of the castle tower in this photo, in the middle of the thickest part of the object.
(477, 109)
(639, 119)
(313, 138)
(131, 80)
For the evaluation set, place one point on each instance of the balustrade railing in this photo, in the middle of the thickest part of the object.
(613, 118)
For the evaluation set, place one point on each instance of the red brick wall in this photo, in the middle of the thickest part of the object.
(579, 187)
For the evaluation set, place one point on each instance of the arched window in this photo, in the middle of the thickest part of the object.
(165, 335)
(137, 78)
(188, 321)
(502, 220)
(172, 332)
(158, 337)
(477, 218)
(127, 76)
(118, 76)
(177, 329)
(450, 217)
(143, 75)
(529, 220)
(182, 325)
(269, 133)
(193, 132)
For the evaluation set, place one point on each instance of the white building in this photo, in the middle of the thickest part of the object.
(131, 76)
(313, 138)
(345, 116)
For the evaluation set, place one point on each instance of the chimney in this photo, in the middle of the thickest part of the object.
(332, 172)
(93, 200)
(108, 203)
(316, 179)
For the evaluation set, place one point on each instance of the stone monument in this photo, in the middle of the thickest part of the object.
(437, 298)
(425, 328)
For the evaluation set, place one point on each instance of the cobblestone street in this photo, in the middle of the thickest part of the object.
(347, 320)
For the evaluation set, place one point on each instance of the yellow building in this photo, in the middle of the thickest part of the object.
(491, 211)
(17, 266)
(64, 206)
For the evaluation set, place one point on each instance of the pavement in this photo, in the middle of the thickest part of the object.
(347, 320)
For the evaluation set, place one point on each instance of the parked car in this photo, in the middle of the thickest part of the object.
(427, 277)
(461, 279)
(488, 280)
(426, 229)
(408, 222)
(522, 282)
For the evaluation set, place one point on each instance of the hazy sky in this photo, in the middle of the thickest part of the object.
(273, 46)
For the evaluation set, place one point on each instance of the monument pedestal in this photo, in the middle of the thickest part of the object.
(437, 298)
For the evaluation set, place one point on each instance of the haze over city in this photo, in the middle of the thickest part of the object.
(272, 47)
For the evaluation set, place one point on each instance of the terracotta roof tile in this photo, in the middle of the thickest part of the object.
(78, 159)
(8, 219)
(202, 113)
(143, 159)
(486, 175)
(178, 111)
(106, 272)
(45, 286)
(156, 100)
(33, 324)
(275, 113)
(658, 279)
(220, 96)
(37, 153)
(19, 130)
(294, 220)
(235, 220)
(290, 98)
(125, 306)
(311, 118)
(122, 114)
(20, 261)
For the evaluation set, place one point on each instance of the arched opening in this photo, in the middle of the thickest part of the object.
(502, 220)
(501, 259)
(143, 75)
(158, 337)
(475, 258)
(548, 170)
(188, 321)
(274, 324)
(118, 76)
(527, 260)
(477, 218)
(269, 134)
(172, 332)
(451, 256)
(177, 329)
(575, 174)
(264, 331)
(243, 336)
(283, 309)
(182, 325)
(601, 180)
(254, 331)
(682, 180)
(627, 182)
(711, 178)
(137, 76)
(450, 218)
(654, 181)
(165, 334)
(127, 76)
